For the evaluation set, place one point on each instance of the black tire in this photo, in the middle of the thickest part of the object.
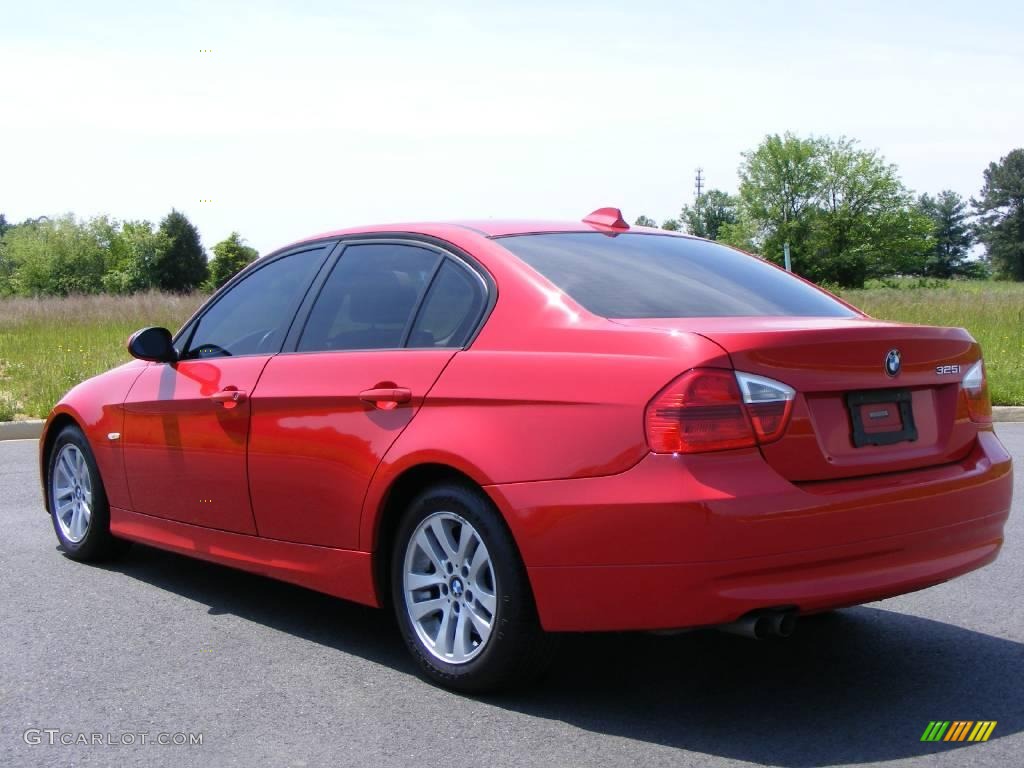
(517, 650)
(97, 543)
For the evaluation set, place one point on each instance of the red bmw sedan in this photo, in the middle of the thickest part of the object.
(506, 430)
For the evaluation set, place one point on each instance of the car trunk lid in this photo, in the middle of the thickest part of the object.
(852, 417)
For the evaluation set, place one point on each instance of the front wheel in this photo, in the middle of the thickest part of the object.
(78, 502)
(461, 594)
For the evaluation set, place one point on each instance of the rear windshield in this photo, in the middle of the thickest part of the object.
(635, 275)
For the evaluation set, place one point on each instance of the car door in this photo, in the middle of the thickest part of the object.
(187, 423)
(373, 343)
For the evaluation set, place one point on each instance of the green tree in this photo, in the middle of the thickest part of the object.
(709, 213)
(645, 221)
(133, 258)
(952, 234)
(180, 262)
(741, 233)
(1001, 215)
(6, 266)
(866, 224)
(58, 256)
(780, 186)
(843, 210)
(231, 255)
(672, 225)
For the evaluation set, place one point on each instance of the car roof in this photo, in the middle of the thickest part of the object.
(491, 228)
(485, 227)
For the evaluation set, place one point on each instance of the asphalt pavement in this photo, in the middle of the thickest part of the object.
(161, 647)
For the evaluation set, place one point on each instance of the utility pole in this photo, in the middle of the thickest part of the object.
(700, 182)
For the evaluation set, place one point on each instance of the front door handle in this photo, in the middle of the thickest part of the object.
(386, 398)
(229, 397)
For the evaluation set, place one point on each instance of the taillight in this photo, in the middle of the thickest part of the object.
(768, 402)
(975, 389)
(712, 409)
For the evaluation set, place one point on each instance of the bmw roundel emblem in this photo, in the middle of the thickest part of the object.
(892, 362)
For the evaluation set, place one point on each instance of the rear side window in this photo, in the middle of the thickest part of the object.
(368, 300)
(451, 309)
(636, 276)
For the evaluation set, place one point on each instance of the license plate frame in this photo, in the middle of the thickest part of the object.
(901, 398)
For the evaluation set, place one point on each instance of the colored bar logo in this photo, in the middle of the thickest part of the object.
(958, 730)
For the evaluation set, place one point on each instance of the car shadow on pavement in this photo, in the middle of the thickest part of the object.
(349, 627)
(855, 686)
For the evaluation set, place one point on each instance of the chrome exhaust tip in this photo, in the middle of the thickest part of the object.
(762, 624)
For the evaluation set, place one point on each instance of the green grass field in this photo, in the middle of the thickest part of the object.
(48, 345)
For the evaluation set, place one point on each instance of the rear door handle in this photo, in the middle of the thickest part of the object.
(386, 398)
(229, 397)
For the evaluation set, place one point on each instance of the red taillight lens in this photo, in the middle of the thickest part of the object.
(711, 409)
(975, 389)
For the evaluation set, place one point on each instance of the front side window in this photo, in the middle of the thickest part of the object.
(644, 276)
(253, 316)
(368, 300)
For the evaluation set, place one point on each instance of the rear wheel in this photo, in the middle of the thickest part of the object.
(461, 594)
(78, 503)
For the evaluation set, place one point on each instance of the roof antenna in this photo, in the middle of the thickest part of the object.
(607, 217)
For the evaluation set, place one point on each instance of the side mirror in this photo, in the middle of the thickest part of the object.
(153, 344)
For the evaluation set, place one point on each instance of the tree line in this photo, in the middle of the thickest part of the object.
(843, 210)
(64, 255)
(847, 216)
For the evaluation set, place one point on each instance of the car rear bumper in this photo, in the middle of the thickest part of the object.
(701, 540)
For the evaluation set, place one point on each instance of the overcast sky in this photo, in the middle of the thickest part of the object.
(318, 115)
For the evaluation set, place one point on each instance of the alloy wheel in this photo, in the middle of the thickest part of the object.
(451, 594)
(71, 492)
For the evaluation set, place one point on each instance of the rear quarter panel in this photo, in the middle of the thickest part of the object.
(505, 416)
